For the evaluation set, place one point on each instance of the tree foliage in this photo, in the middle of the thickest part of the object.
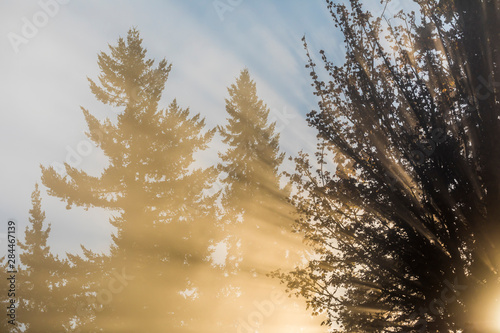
(251, 164)
(32, 276)
(255, 212)
(402, 202)
(163, 218)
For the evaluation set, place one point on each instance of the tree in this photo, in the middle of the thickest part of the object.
(162, 217)
(257, 228)
(251, 169)
(402, 206)
(39, 282)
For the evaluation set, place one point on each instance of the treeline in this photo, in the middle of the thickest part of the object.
(162, 273)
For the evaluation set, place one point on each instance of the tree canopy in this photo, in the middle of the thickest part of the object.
(401, 203)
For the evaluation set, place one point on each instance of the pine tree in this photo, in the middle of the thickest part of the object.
(403, 208)
(86, 289)
(257, 214)
(42, 305)
(251, 169)
(163, 219)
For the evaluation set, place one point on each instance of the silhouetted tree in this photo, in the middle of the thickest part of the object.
(402, 204)
(40, 280)
(163, 219)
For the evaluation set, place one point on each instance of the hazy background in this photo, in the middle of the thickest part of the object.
(45, 83)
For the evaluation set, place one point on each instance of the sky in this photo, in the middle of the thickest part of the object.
(48, 48)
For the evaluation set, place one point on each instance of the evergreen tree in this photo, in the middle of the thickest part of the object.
(88, 288)
(250, 166)
(39, 282)
(403, 208)
(163, 219)
(257, 214)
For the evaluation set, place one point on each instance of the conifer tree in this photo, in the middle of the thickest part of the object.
(251, 168)
(163, 219)
(40, 281)
(257, 214)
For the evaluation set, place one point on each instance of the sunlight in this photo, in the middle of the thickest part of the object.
(496, 316)
(488, 315)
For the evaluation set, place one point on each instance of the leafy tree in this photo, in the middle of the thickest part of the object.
(402, 205)
(40, 282)
(162, 218)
